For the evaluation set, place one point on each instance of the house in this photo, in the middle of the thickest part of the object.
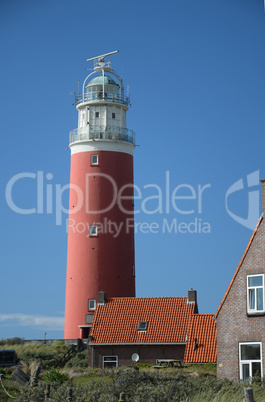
(151, 327)
(241, 314)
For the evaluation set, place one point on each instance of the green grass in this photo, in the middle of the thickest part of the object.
(202, 369)
(47, 354)
(139, 386)
(87, 378)
(57, 347)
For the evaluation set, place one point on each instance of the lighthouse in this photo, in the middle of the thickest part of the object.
(100, 256)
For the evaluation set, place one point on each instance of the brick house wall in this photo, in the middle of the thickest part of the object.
(147, 353)
(234, 324)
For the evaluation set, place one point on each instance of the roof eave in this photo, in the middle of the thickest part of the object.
(239, 266)
(136, 343)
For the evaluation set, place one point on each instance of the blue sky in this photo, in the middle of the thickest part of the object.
(196, 74)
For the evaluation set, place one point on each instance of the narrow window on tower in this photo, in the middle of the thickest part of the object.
(113, 115)
(91, 304)
(93, 230)
(97, 114)
(94, 159)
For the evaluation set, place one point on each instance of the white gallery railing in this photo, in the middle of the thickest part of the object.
(102, 133)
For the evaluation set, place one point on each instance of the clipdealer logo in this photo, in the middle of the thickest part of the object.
(180, 207)
(181, 200)
(252, 188)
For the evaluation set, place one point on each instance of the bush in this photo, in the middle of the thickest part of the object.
(142, 365)
(79, 360)
(60, 347)
(55, 376)
(12, 341)
(142, 386)
(58, 393)
(47, 358)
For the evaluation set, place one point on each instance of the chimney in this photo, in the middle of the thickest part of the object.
(101, 298)
(263, 195)
(192, 299)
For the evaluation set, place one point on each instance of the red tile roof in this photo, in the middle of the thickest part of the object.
(202, 327)
(239, 265)
(117, 321)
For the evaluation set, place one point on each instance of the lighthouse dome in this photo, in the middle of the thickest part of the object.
(99, 81)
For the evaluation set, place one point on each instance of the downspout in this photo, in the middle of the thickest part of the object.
(92, 357)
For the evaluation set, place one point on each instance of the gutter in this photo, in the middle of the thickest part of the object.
(137, 343)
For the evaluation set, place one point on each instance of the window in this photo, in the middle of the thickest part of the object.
(97, 114)
(94, 159)
(110, 361)
(93, 230)
(142, 326)
(91, 304)
(113, 115)
(255, 293)
(89, 319)
(250, 360)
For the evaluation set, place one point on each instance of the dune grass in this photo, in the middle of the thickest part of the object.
(192, 383)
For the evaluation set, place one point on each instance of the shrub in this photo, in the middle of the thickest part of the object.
(12, 341)
(54, 375)
(138, 386)
(58, 393)
(47, 357)
(60, 347)
(79, 360)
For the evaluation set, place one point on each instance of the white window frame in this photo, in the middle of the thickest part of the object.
(249, 361)
(91, 304)
(254, 288)
(114, 360)
(94, 159)
(93, 230)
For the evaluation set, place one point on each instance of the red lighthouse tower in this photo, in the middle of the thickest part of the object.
(101, 218)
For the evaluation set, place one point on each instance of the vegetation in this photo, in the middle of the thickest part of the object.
(48, 355)
(140, 382)
(144, 385)
(80, 360)
(56, 376)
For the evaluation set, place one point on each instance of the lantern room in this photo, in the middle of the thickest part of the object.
(102, 87)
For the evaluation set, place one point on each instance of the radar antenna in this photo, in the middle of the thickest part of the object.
(102, 57)
(101, 66)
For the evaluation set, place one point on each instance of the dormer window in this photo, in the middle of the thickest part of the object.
(142, 326)
(255, 294)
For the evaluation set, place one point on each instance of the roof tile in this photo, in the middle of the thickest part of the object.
(117, 321)
(201, 327)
